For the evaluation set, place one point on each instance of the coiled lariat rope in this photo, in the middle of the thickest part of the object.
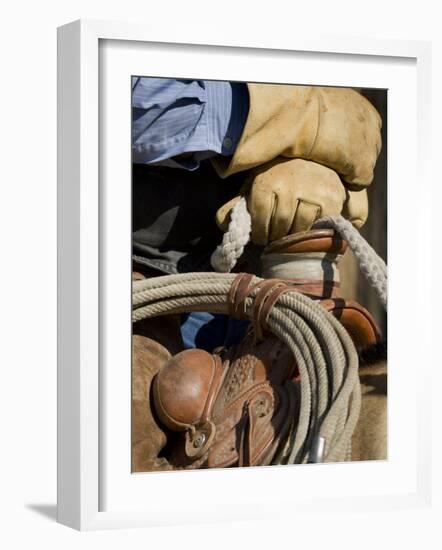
(237, 236)
(330, 395)
(326, 357)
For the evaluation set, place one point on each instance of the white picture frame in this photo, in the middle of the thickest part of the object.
(93, 54)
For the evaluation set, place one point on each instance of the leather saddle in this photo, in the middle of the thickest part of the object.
(236, 407)
(232, 408)
(308, 263)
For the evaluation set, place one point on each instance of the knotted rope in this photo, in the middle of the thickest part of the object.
(324, 353)
(330, 395)
(234, 240)
(237, 236)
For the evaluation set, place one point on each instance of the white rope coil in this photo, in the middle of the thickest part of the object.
(327, 360)
(324, 353)
(235, 238)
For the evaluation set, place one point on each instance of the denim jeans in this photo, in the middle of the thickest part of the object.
(208, 331)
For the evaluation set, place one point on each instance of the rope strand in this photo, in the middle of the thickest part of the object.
(329, 393)
(237, 236)
(234, 239)
(324, 353)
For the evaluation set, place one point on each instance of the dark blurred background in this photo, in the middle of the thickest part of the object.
(353, 284)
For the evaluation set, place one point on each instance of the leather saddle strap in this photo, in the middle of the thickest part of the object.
(238, 292)
(245, 444)
(263, 308)
(216, 382)
(268, 293)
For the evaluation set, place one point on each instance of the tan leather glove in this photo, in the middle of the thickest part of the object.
(288, 196)
(336, 127)
(355, 207)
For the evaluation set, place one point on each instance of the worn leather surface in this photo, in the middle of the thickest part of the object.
(318, 240)
(236, 418)
(155, 447)
(358, 322)
(286, 196)
(192, 409)
(336, 127)
(185, 389)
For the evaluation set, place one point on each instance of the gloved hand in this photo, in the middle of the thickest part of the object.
(288, 196)
(355, 207)
(336, 127)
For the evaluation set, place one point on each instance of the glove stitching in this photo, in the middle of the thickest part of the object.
(292, 226)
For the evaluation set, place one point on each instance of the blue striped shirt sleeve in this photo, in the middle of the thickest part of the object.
(171, 117)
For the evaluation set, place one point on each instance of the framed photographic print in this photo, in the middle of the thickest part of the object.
(223, 293)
